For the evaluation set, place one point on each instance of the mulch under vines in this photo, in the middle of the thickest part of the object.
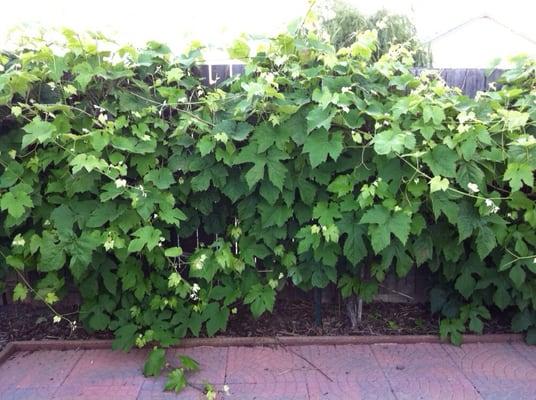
(291, 317)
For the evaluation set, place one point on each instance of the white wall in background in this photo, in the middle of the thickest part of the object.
(477, 44)
(175, 23)
(217, 22)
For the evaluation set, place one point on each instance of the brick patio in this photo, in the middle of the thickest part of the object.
(379, 371)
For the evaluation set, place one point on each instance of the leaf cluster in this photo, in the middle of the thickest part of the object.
(166, 203)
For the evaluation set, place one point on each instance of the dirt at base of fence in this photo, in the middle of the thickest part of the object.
(291, 317)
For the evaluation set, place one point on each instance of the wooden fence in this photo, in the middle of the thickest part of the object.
(469, 80)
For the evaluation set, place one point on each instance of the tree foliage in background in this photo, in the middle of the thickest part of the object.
(166, 203)
(342, 22)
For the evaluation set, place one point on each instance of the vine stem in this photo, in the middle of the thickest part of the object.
(312, 3)
(38, 295)
(96, 169)
(517, 258)
(156, 103)
(467, 194)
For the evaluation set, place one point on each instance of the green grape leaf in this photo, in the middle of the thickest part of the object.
(217, 318)
(99, 321)
(106, 212)
(502, 298)
(37, 131)
(485, 241)
(124, 337)
(354, 248)
(15, 202)
(20, 292)
(319, 118)
(89, 162)
(239, 49)
(189, 364)
(341, 185)
(423, 249)
(12, 173)
(145, 237)
(171, 215)
(434, 114)
(260, 298)
(522, 321)
(393, 141)
(176, 380)
(155, 362)
(514, 119)
(161, 177)
(531, 336)
(383, 224)
(465, 284)
(319, 144)
(442, 161)
(438, 183)
(52, 253)
(517, 275)
(272, 160)
(173, 252)
(517, 174)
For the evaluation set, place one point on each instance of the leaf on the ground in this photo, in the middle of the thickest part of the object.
(155, 362)
(176, 380)
(189, 363)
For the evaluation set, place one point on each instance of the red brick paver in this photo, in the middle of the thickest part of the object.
(423, 371)
(497, 370)
(351, 372)
(36, 375)
(345, 372)
(212, 363)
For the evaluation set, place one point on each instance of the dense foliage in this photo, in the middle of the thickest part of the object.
(166, 203)
(342, 22)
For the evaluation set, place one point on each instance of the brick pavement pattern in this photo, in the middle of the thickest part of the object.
(494, 371)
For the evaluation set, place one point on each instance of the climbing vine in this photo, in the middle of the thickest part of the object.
(166, 203)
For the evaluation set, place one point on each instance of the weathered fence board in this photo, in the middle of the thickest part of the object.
(469, 80)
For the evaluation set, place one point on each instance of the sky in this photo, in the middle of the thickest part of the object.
(218, 22)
